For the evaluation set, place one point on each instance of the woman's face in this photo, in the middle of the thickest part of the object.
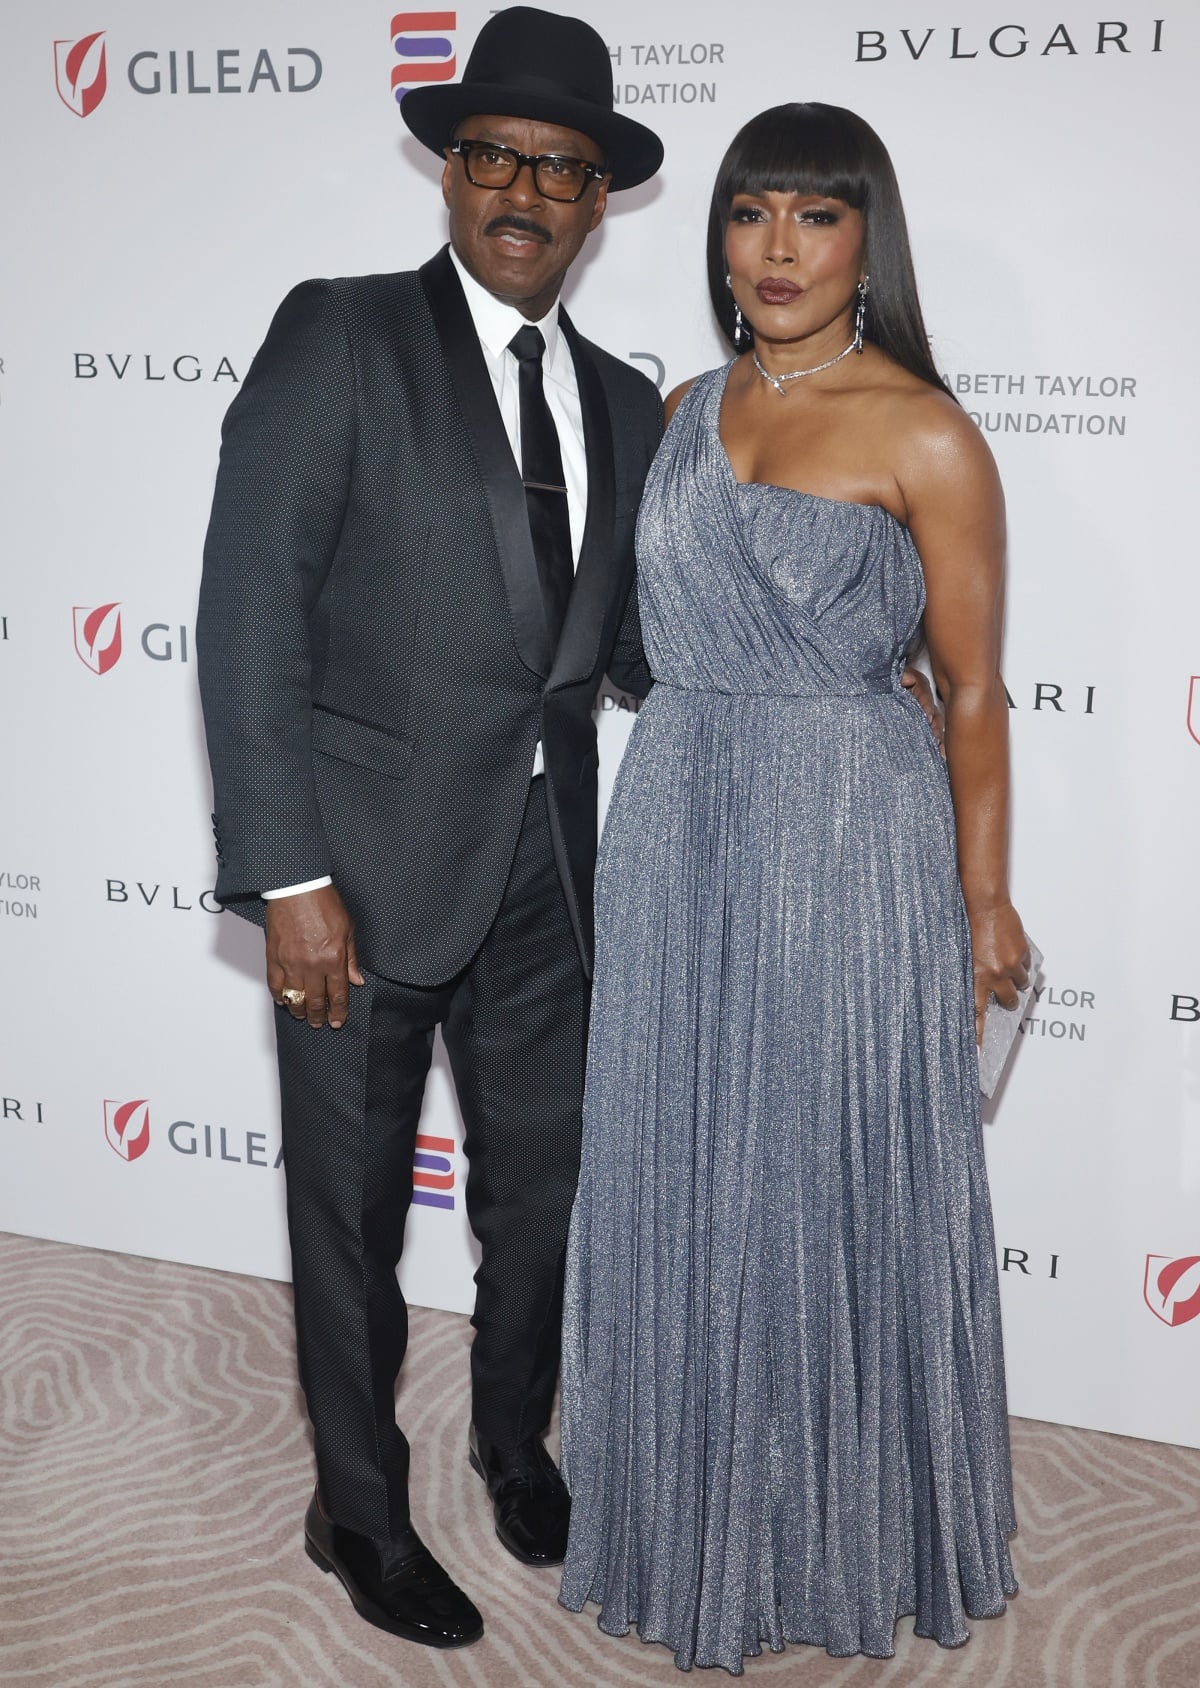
(795, 261)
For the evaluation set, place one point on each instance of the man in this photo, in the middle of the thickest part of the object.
(400, 644)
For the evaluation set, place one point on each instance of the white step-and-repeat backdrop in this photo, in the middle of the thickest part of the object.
(173, 171)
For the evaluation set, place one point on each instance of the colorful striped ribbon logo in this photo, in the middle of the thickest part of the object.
(423, 40)
(433, 1171)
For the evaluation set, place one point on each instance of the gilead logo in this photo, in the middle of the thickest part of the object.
(1171, 1288)
(423, 41)
(98, 636)
(81, 73)
(127, 1128)
(99, 646)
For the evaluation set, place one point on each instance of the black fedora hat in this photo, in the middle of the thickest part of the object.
(551, 69)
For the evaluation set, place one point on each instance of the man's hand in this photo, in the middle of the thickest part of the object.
(915, 682)
(310, 948)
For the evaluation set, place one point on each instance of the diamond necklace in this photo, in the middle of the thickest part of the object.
(799, 374)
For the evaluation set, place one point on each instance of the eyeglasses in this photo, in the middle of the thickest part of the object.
(491, 166)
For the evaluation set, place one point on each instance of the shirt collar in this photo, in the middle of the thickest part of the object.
(496, 323)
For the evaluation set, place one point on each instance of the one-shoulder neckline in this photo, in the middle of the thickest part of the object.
(777, 486)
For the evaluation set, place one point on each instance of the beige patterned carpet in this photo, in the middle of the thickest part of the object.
(155, 1466)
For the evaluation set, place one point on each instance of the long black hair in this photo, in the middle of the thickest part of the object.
(823, 149)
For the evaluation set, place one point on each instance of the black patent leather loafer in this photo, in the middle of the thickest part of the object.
(413, 1597)
(529, 1498)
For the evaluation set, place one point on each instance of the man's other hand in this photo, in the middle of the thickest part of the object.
(310, 949)
(915, 682)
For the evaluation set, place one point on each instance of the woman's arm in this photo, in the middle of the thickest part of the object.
(956, 516)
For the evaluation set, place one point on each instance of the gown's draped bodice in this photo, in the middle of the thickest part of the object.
(751, 588)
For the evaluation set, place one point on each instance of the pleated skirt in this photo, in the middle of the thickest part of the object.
(784, 1412)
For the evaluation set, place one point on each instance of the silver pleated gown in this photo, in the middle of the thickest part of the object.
(783, 1388)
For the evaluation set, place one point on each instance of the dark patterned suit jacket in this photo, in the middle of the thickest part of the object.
(373, 655)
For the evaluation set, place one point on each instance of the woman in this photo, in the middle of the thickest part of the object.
(783, 1387)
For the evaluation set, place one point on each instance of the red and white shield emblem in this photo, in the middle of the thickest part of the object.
(1193, 714)
(127, 1128)
(81, 73)
(1172, 1287)
(98, 636)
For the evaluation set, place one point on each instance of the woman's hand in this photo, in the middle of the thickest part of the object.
(1002, 959)
(916, 685)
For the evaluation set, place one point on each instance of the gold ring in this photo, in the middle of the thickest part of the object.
(292, 998)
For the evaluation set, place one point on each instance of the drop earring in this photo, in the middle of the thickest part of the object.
(740, 331)
(860, 315)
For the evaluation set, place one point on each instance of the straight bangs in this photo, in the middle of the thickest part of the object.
(810, 148)
(796, 149)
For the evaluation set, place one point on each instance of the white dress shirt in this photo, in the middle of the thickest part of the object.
(496, 323)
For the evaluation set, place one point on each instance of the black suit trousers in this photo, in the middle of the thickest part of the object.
(515, 1026)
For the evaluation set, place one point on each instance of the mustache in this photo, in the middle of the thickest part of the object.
(519, 225)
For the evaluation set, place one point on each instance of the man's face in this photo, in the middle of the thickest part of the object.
(515, 241)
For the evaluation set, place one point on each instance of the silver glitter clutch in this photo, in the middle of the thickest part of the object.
(1001, 1025)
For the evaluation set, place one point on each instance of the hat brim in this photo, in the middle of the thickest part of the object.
(632, 152)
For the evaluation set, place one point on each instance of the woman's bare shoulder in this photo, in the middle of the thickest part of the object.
(942, 461)
(938, 435)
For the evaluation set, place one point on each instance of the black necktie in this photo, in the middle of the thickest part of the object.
(545, 484)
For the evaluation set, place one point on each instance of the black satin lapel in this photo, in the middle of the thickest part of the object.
(579, 645)
(499, 475)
